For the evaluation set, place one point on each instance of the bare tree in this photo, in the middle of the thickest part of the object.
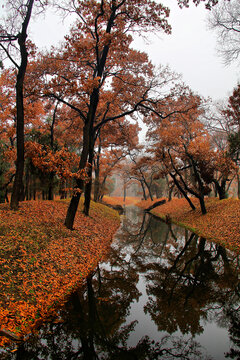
(225, 20)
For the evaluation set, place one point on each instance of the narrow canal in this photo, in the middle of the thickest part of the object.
(164, 293)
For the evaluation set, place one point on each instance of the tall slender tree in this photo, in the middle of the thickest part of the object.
(98, 51)
(13, 35)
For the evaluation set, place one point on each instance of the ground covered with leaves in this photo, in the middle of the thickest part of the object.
(42, 262)
(221, 223)
(118, 200)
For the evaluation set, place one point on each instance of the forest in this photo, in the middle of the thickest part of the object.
(69, 116)
(70, 125)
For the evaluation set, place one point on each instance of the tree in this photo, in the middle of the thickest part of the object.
(178, 141)
(143, 170)
(225, 20)
(232, 114)
(113, 144)
(97, 50)
(98, 54)
(183, 145)
(224, 128)
(12, 33)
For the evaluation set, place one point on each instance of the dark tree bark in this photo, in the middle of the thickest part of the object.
(2, 197)
(27, 183)
(180, 188)
(185, 188)
(149, 188)
(221, 188)
(18, 189)
(88, 133)
(238, 187)
(50, 186)
(73, 206)
(88, 186)
(97, 173)
(51, 175)
(143, 189)
(157, 203)
(96, 186)
(202, 205)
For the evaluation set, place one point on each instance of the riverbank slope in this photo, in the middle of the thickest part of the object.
(221, 224)
(42, 261)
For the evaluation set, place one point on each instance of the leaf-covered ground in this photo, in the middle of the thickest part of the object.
(41, 261)
(118, 200)
(221, 223)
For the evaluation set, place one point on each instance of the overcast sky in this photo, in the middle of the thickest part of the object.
(190, 50)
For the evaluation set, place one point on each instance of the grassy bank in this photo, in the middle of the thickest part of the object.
(221, 223)
(42, 262)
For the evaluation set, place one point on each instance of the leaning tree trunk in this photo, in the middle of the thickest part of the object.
(73, 206)
(202, 205)
(182, 191)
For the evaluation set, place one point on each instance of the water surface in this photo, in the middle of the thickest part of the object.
(164, 293)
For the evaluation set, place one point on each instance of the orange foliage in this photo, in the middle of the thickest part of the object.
(42, 262)
(220, 224)
(144, 204)
(61, 162)
(118, 200)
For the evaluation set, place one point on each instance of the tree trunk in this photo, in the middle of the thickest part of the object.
(124, 191)
(34, 187)
(97, 173)
(50, 192)
(27, 181)
(18, 190)
(170, 191)
(238, 185)
(88, 127)
(6, 195)
(72, 209)
(221, 189)
(96, 187)
(149, 190)
(157, 203)
(202, 205)
(62, 190)
(50, 187)
(2, 196)
(87, 196)
(182, 191)
(73, 206)
(143, 189)
(88, 186)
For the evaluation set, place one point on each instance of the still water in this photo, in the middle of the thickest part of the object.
(163, 293)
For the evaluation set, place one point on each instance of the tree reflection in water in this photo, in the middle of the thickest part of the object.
(188, 281)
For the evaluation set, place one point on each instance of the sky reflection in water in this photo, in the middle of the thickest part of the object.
(164, 294)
